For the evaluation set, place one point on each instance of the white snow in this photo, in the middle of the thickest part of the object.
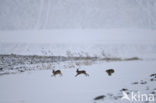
(39, 86)
(115, 28)
(114, 42)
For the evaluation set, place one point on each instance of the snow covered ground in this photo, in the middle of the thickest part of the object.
(37, 36)
(38, 86)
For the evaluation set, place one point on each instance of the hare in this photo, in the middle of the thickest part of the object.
(110, 71)
(81, 72)
(56, 72)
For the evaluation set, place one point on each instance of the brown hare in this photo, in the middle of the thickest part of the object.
(56, 72)
(110, 71)
(81, 72)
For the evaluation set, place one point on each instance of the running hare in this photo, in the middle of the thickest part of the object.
(81, 72)
(56, 72)
(110, 71)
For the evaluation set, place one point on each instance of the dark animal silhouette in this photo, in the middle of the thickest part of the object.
(124, 89)
(99, 97)
(1, 68)
(152, 75)
(110, 71)
(81, 72)
(56, 72)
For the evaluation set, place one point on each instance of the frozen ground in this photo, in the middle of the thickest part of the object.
(33, 82)
(124, 30)
(39, 86)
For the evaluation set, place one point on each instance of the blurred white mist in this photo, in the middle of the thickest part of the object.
(79, 14)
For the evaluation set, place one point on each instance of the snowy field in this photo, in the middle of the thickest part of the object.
(112, 41)
(30, 79)
(39, 86)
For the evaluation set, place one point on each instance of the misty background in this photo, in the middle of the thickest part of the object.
(77, 14)
(78, 25)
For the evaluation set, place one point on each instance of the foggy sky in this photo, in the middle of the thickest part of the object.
(77, 14)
